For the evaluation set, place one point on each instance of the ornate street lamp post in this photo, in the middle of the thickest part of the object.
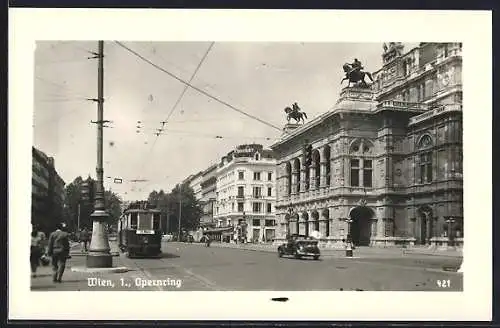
(99, 255)
(349, 222)
(348, 251)
(450, 222)
(287, 221)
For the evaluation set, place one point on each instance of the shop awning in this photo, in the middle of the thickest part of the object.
(218, 230)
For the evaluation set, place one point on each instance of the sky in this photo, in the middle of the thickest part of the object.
(260, 79)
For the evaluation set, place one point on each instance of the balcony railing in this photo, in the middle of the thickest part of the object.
(436, 111)
(402, 105)
(452, 182)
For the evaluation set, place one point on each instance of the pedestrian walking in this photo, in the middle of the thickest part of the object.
(84, 238)
(43, 238)
(36, 251)
(58, 249)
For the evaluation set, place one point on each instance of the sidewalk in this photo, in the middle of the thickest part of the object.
(78, 281)
(363, 251)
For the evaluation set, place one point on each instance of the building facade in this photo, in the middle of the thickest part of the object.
(194, 181)
(47, 192)
(384, 165)
(208, 196)
(246, 193)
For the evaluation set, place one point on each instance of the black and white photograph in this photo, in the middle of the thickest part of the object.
(218, 165)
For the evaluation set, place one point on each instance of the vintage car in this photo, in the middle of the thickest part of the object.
(299, 247)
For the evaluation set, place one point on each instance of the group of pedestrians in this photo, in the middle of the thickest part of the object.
(56, 248)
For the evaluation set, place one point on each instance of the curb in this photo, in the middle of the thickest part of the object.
(76, 253)
(107, 270)
(433, 254)
(333, 252)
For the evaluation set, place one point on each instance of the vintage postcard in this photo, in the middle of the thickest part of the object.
(298, 159)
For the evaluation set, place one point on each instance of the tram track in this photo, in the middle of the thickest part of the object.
(162, 264)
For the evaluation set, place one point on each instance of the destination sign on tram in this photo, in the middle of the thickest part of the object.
(145, 232)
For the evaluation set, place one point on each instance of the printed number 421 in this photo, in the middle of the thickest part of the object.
(443, 283)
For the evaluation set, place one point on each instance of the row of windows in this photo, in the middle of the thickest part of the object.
(257, 207)
(267, 223)
(422, 92)
(146, 221)
(256, 175)
(256, 192)
(361, 171)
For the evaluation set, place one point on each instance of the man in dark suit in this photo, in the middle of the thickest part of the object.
(58, 249)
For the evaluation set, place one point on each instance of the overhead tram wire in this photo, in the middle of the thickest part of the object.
(185, 89)
(196, 88)
(178, 99)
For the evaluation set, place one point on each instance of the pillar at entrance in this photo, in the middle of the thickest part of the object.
(312, 226)
(322, 227)
(412, 227)
(302, 227)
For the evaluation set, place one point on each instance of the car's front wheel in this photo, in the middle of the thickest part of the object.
(297, 255)
(316, 257)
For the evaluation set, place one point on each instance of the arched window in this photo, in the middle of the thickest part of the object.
(288, 174)
(296, 173)
(425, 158)
(361, 164)
(327, 154)
(317, 168)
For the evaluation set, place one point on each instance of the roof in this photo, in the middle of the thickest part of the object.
(352, 99)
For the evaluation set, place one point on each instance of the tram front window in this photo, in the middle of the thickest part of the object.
(156, 221)
(133, 221)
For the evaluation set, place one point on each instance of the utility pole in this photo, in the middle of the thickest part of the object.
(180, 212)
(167, 223)
(99, 255)
(78, 218)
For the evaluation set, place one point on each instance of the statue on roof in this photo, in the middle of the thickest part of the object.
(354, 74)
(394, 46)
(392, 50)
(296, 113)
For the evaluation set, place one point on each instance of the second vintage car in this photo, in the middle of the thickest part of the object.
(300, 246)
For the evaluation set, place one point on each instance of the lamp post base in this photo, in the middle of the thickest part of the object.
(99, 261)
(99, 255)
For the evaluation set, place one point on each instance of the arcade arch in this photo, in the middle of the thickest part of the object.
(361, 225)
(425, 225)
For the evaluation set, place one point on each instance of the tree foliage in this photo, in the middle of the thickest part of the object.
(74, 197)
(180, 201)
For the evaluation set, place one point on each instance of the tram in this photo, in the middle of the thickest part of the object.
(139, 231)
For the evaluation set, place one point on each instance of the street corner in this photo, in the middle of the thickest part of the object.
(85, 269)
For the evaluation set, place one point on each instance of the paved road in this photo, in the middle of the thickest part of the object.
(233, 269)
(194, 267)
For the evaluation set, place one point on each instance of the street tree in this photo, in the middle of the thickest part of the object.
(76, 205)
(180, 198)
